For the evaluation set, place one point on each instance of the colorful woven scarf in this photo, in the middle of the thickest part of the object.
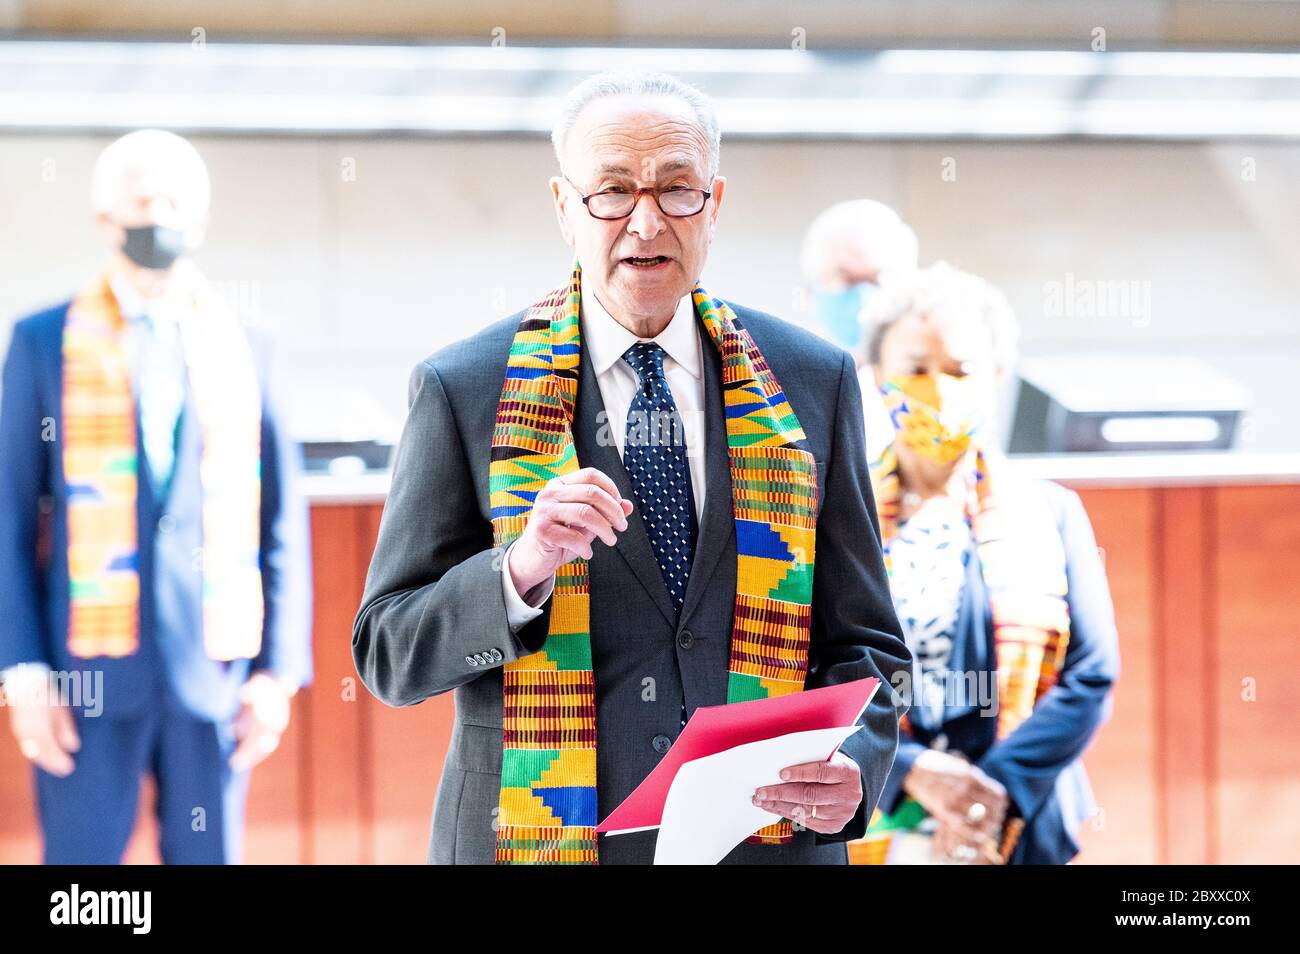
(1022, 560)
(548, 810)
(100, 460)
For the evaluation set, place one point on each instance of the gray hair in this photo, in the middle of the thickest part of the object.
(942, 287)
(643, 83)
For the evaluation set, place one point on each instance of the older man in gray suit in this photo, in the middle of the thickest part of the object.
(487, 579)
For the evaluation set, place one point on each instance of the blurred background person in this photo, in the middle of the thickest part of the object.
(168, 626)
(1000, 589)
(849, 251)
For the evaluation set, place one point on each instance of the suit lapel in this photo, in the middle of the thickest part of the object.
(634, 543)
(718, 523)
(146, 487)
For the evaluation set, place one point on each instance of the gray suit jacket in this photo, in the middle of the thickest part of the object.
(433, 597)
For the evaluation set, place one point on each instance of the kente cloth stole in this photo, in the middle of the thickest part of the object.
(1022, 560)
(101, 460)
(547, 812)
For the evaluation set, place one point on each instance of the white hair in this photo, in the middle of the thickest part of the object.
(643, 83)
(957, 294)
(173, 159)
(868, 231)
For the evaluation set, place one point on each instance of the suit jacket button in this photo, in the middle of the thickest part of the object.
(662, 743)
(471, 660)
(166, 523)
(480, 659)
(686, 639)
(496, 656)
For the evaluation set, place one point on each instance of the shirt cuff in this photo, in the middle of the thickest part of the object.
(288, 685)
(21, 677)
(18, 670)
(520, 613)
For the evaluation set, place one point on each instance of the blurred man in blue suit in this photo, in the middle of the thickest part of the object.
(154, 556)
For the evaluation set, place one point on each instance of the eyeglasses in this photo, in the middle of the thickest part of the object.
(676, 202)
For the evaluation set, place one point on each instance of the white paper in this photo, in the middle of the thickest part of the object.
(710, 806)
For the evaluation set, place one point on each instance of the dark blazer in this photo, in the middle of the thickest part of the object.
(1039, 762)
(433, 595)
(170, 663)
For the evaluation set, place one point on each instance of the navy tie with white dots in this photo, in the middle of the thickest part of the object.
(654, 454)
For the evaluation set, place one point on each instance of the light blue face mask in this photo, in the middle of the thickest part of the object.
(838, 312)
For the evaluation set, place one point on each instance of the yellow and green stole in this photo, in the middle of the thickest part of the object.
(548, 812)
(100, 462)
(1022, 560)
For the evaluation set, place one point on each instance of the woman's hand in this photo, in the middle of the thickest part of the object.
(969, 805)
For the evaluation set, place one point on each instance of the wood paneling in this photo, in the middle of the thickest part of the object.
(408, 747)
(277, 796)
(1199, 763)
(1122, 758)
(336, 703)
(1184, 760)
(20, 840)
(1253, 696)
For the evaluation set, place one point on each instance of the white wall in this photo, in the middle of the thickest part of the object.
(435, 238)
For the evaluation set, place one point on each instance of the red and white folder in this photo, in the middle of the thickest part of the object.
(700, 795)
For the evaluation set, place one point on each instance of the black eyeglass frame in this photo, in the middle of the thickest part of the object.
(636, 197)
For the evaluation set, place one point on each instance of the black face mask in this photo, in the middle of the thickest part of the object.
(153, 246)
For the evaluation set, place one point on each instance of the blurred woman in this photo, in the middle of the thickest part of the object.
(1000, 589)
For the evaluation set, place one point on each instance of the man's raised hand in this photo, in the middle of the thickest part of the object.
(570, 512)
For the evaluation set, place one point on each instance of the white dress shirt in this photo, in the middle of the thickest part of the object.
(135, 308)
(605, 341)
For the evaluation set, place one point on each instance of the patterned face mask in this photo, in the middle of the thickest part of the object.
(937, 415)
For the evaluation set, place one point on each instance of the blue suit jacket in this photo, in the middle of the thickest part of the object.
(170, 665)
(1038, 763)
